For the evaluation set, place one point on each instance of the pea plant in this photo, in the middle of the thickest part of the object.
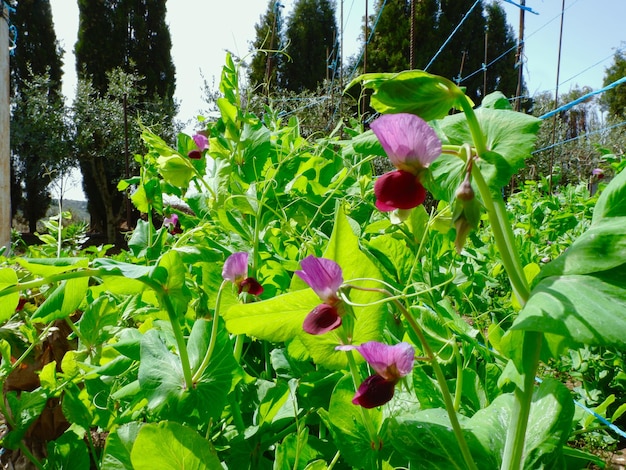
(299, 312)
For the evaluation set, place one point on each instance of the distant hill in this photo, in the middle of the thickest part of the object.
(77, 208)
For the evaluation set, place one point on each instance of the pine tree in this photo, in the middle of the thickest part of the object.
(461, 58)
(615, 100)
(265, 63)
(38, 131)
(312, 44)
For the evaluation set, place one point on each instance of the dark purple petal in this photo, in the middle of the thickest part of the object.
(236, 267)
(322, 275)
(374, 391)
(195, 154)
(251, 286)
(321, 319)
(408, 140)
(390, 362)
(398, 190)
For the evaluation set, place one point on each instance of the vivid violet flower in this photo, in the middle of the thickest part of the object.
(324, 276)
(172, 224)
(390, 363)
(235, 270)
(202, 142)
(411, 145)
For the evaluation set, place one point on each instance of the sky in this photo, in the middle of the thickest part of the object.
(203, 30)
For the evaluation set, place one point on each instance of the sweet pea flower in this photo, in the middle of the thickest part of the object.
(324, 276)
(236, 271)
(172, 224)
(202, 142)
(598, 173)
(411, 145)
(390, 363)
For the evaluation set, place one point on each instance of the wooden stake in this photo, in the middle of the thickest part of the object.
(5, 147)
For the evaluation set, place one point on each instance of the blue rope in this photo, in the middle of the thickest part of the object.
(600, 418)
(571, 104)
(12, 28)
(451, 35)
(587, 134)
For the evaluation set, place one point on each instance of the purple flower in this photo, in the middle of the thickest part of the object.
(598, 173)
(411, 145)
(390, 363)
(235, 270)
(202, 142)
(324, 276)
(172, 224)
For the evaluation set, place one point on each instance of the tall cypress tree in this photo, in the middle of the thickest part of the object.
(265, 62)
(38, 132)
(312, 42)
(131, 36)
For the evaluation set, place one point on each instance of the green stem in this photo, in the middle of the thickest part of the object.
(213, 338)
(180, 339)
(458, 390)
(21, 286)
(237, 350)
(513, 455)
(443, 385)
(367, 419)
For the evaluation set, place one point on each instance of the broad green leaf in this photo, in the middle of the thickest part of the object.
(176, 170)
(348, 429)
(426, 439)
(280, 318)
(98, 317)
(169, 274)
(172, 446)
(611, 201)
(585, 309)
(77, 406)
(414, 91)
(9, 302)
(160, 373)
(277, 319)
(119, 445)
(549, 425)
(63, 301)
(68, 451)
(45, 267)
(24, 409)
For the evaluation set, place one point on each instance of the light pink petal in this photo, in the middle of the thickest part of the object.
(408, 140)
(390, 362)
(322, 275)
(171, 221)
(236, 267)
(201, 141)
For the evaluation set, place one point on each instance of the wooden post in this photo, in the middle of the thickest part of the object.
(520, 57)
(5, 148)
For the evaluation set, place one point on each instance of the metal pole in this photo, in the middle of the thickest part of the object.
(556, 97)
(5, 122)
(519, 57)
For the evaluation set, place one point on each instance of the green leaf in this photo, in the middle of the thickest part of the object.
(414, 91)
(24, 409)
(168, 445)
(586, 309)
(611, 201)
(119, 445)
(295, 452)
(63, 301)
(549, 425)
(9, 302)
(45, 267)
(348, 429)
(280, 318)
(68, 451)
(176, 170)
(169, 274)
(426, 439)
(77, 406)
